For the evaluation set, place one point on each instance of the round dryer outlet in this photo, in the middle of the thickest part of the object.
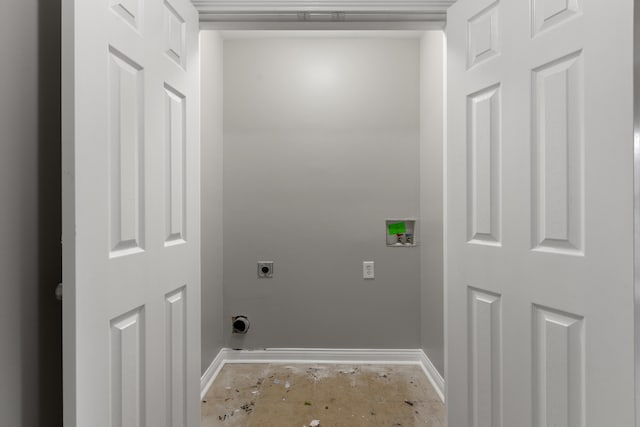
(265, 269)
(240, 324)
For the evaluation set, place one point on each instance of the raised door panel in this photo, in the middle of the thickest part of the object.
(126, 155)
(485, 358)
(175, 166)
(129, 10)
(174, 34)
(128, 397)
(482, 35)
(176, 356)
(483, 166)
(548, 13)
(558, 156)
(558, 368)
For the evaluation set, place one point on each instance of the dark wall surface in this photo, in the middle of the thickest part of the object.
(30, 254)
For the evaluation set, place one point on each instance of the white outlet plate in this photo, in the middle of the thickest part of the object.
(368, 270)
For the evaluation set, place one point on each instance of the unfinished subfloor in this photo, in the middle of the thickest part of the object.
(280, 395)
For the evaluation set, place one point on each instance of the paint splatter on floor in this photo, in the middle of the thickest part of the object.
(280, 395)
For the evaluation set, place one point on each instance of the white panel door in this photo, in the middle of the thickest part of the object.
(131, 203)
(539, 286)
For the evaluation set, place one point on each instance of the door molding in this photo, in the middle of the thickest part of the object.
(636, 197)
(403, 6)
(320, 14)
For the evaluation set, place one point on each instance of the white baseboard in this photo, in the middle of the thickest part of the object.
(323, 355)
(437, 381)
(211, 373)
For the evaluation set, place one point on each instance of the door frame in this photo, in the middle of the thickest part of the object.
(417, 15)
(360, 17)
(375, 16)
(282, 15)
(636, 199)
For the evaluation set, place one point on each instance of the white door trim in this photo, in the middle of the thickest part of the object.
(252, 6)
(636, 207)
(322, 14)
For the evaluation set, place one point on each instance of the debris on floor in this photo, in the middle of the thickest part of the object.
(278, 395)
(227, 416)
(248, 407)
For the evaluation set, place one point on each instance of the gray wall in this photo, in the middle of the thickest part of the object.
(431, 196)
(30, 316)
(211, 170)
(321, 144)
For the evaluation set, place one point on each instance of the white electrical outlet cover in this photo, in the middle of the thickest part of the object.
(368, 270)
